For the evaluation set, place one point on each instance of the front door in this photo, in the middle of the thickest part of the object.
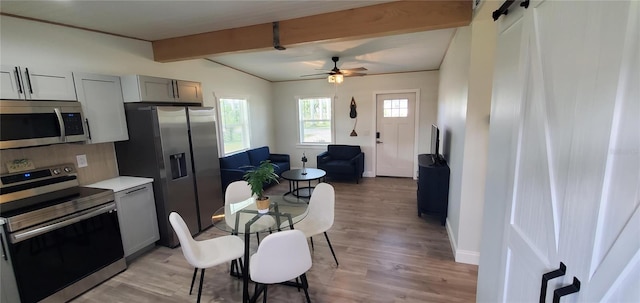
(395, 134)
(567, 84)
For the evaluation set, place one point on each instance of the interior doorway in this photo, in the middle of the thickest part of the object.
(395, 134)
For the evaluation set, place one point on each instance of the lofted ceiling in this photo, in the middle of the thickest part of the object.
(414, 50)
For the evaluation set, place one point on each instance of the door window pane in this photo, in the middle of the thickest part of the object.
(395, 108)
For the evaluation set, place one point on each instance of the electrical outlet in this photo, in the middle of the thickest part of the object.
(82, 161)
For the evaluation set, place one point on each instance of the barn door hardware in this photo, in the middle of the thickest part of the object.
(567, 290)
(504, 8)
(548, 276)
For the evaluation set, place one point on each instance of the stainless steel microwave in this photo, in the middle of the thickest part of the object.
(34, 123)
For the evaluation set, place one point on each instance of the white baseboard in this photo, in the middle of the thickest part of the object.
(468, 257)
(462, 256)
(452, 240)
(368, 174)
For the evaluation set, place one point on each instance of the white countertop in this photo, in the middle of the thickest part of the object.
(121, 183)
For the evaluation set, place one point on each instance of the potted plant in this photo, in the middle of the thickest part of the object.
(257, 178)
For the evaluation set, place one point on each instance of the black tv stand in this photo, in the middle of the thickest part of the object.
(433, 186)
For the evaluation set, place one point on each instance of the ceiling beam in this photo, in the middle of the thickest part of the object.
(365, 22)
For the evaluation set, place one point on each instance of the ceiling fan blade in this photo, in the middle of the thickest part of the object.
(347, 72)
(357, 69)
(315, 74)
(354, 74)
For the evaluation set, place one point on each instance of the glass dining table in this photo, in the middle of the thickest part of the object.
(243, 218)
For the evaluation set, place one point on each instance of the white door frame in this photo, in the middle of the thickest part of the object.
(416, 131)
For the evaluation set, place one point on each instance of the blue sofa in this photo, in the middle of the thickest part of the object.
(233, 167)
(342, 161)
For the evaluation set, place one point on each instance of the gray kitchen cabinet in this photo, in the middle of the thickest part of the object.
(103, 107)
(27, 83)
(188, 91)
(137, 216)
(136, 213)
(139, 88)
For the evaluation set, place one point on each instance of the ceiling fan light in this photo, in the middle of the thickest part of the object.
(337, 78)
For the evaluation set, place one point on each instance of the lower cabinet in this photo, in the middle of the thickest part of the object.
(136, 212)
(137, 216)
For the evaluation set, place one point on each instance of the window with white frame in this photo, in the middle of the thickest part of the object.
(234, 124)
(315, 120)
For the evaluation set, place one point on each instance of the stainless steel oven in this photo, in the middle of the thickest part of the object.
(58, 239)
(33, 123)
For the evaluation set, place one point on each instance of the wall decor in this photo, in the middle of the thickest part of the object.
(353, 114)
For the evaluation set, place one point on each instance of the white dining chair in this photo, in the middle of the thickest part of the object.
(320, 214)
(239, 192)
(206, 253)
(281, 257)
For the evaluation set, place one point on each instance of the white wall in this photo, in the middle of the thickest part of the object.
(464, 106)
(42, 45)
(35, 44)
(363, 90)
(452, 115)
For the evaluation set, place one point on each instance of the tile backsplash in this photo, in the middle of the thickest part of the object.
(101, 159)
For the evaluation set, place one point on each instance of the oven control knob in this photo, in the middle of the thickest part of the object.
(68, 169)
(56, 171)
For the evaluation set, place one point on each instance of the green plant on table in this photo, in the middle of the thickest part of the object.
(260, 176)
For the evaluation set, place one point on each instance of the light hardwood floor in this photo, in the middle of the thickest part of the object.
(386, 254)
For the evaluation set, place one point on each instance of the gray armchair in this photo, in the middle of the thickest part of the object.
(342, 161)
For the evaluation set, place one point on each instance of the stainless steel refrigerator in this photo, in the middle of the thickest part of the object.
(177, 147)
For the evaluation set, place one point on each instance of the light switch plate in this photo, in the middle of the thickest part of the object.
(82, 161)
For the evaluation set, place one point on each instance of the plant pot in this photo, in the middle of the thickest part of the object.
(263, 205)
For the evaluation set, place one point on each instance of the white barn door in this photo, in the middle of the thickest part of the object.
(567, 81)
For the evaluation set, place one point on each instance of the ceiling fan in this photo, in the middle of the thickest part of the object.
(336, 74)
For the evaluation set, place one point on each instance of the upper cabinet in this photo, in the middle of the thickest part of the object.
(26, 83)
(188, 91)
(137, 88)
(103, 107)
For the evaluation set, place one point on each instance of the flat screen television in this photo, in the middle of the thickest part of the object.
(435, 143)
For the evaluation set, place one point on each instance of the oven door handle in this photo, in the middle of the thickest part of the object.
(62, 222)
